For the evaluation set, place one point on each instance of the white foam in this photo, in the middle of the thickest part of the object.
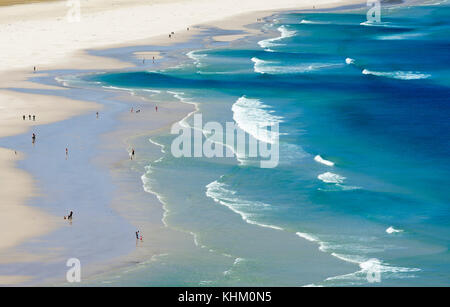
(270, 67)
(182, 98)
(329, 177)
(196, 57)
(252, 116)
(145, 178)
(365, 264)
(372, 265)
(259, 65)
(304, 21)
(307, 236)
(221, 194)
(157, 144)
(319, 159)
(284, 33)
(400, 36)
(401, 75)
(378, 24)
(323, 246)
(349, 61)
(235, 263)
(391, 230)
(152, 91)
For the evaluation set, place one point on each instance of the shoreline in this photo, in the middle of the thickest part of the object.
(107, 63)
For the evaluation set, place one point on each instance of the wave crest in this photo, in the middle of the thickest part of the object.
(321, 160)
(329, 177)
(401, 75)
(284, 33)
(252, 116)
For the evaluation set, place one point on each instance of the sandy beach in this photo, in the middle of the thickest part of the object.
(40, 35)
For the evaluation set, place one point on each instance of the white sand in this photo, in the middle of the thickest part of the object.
(40, 34)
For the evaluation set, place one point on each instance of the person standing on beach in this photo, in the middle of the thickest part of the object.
(156, 108)
(33, 138)
(24, 117)
(69, 217)
(132, 154)
(29, 117)
(34, 117)
(67, 152)
(137, 235)
(97, 114)
(34, 69)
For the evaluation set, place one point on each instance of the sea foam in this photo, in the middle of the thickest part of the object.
(248, 210)
(319, 159)
(391, 230)
(349, 61)
(401, 75)
(284, 33)
(329, 177)
(271, 67)
(254, 117)
(196, 56)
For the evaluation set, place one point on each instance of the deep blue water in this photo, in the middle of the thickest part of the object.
(372, 99)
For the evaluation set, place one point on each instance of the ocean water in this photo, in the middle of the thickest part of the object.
(363, 174)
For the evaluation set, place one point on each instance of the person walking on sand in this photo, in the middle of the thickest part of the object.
(69, 217)
(24, 117)
(34, 69)
(132, 154)
(34, 117)
(29, 117)
(137, 235)
(33, 138)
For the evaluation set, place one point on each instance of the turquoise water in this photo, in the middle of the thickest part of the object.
(363, 169)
